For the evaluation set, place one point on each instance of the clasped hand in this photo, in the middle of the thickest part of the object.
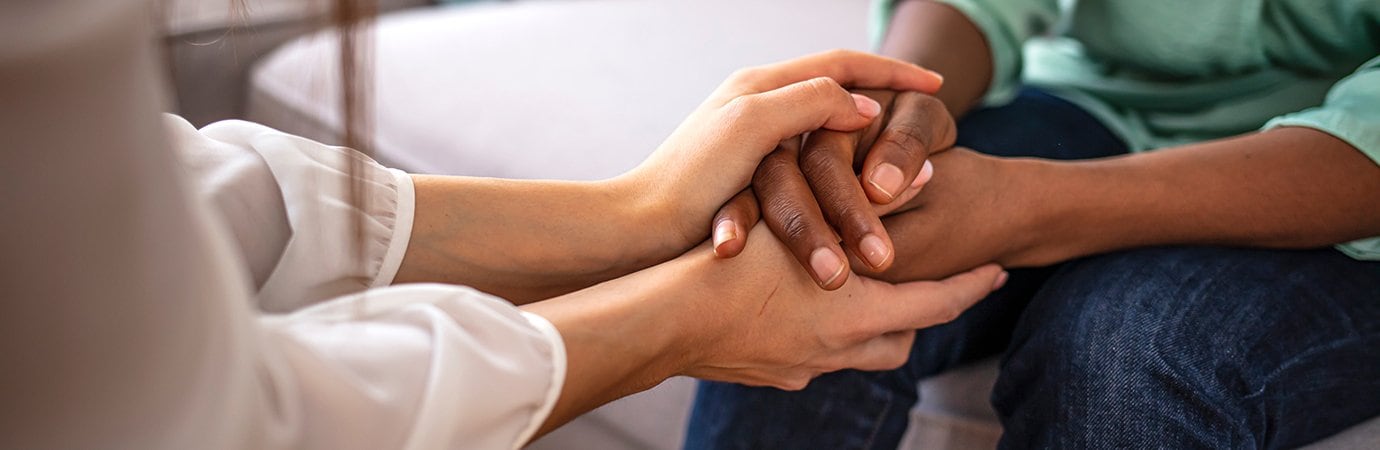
(770, 324)
(850, 201)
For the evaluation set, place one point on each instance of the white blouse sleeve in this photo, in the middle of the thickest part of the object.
(288, 205)
(286, 201)
(131, 287)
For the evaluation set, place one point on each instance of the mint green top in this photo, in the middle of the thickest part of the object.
(1161, 73)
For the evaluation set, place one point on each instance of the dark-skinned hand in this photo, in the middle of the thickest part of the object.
(828, 193)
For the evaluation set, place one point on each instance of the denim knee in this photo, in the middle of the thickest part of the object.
(1100, 359)
(1188, 347)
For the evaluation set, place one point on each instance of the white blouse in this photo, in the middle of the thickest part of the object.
(167, 287)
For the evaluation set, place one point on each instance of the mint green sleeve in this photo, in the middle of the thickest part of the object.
(1006, 24)
(1351, 112)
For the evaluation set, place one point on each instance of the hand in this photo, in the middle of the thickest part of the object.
(714, 153)
(809, 193)
(755, 319)
(758, 318)
(977, 209)
(765, 323)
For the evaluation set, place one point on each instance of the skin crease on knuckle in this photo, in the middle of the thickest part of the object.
(932, 111)
(739, 111)
(786, 211)
(824, 154)
(823, 161)
(792, 221)
(825, 88)
(907, 137)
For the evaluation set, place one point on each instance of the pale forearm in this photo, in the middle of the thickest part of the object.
(529, 240)
(1284, 188)
(940, 38)
(621, 337)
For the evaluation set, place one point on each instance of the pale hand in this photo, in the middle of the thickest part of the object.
(760, 319)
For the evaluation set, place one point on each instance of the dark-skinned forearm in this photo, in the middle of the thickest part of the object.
(940, 38)
(1284, 188)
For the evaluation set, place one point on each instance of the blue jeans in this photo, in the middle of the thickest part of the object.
(1179, 347)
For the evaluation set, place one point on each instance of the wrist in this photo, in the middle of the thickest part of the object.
(657, 222)
(1050, 227)
(1075, 211)
(694, 323)
(621, 337)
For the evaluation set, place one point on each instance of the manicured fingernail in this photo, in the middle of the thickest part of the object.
(826, 264)
(926, 172)
(888, 179)
(1001, 280)
(723, 232)
(868, 107)
(874, 250)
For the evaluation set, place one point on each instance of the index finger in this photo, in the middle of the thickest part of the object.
(791, 211)
(850, 68)
(825, 160)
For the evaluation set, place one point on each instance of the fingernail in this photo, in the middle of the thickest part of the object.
(723, 232)
(938, 75)
(874, 250)
(868, 107)
(1001, 280)
(888, 179)
(826, 264)
(926, 173)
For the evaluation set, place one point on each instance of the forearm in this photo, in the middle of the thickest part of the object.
(1284, 188)
(621, 337)
(529, 240)
(940, 38)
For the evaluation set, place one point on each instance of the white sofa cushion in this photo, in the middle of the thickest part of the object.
(545, 89)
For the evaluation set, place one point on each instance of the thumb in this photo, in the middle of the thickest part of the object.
(902, 202)
(770, 117)
(924, 304)
(729, 230)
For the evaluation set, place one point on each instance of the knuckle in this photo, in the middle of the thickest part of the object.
(824, 87)
(773, 173)
(794, 224)
(740, 108)
(824, 156)
(746, 76)
(931, 111)
(905, 136)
